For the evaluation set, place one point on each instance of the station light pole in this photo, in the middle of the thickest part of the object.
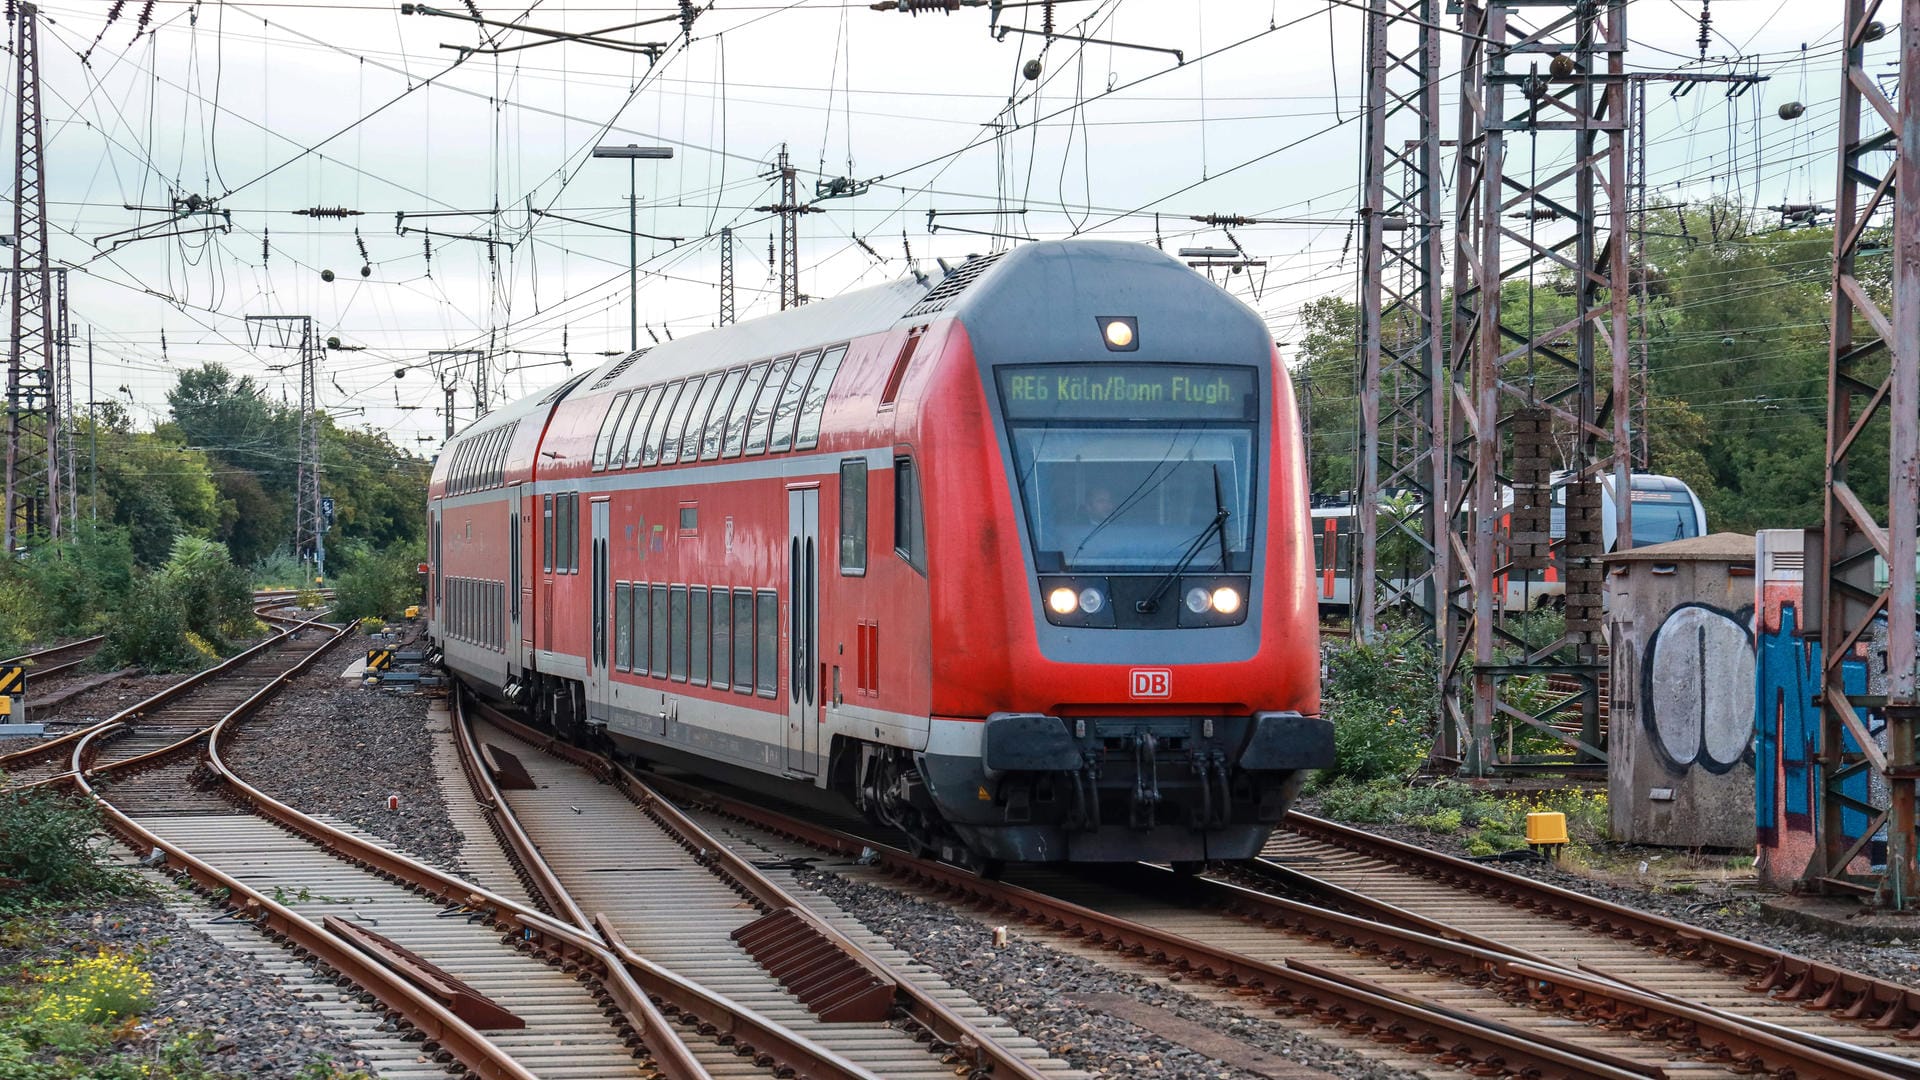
(632, 154)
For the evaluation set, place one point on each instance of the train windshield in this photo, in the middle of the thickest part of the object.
(1662, 516)
(1134, 467)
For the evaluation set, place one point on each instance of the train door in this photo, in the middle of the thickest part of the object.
(803, 628)
(515, 659)
(597, 656)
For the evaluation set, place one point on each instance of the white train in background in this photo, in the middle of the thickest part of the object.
(1664, 508)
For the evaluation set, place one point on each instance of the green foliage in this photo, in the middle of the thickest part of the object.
(47, 845)
(379, 586)
(1486, 822)
(213, 592)
(1383, 699)
(65, 589)
(278, 569)
(150, 631)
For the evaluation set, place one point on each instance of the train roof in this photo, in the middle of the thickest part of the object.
(824, 322)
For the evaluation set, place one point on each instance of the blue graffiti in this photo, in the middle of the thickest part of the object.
(1787, 730)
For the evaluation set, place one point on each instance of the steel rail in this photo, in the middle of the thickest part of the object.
(55, 747)
(772, 1043)
(988, 1056)
(414, 1007)
(537, 930)
(1874, 1002)
(1418, 1026)
(1245, 897)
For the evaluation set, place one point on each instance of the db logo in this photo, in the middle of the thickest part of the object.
(1152, 682)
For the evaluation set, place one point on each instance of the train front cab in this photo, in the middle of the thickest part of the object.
(1125, 643)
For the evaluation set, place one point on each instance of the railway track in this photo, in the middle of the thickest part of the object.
(1409, 886)
(787, 973)
(1423, 986)
(476, 982)
(139, 727)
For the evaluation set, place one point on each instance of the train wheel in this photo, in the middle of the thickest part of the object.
(991, 869)
(1188, 868)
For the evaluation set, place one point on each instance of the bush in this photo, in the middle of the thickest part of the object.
(1383, 699)
(151, 632)
(212, 591)
(279, 570)
(46, 844)
(63, 589)
(378, 586)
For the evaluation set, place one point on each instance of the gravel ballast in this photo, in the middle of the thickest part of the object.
(258, 1027)
(1060, 1000)
(329, 746)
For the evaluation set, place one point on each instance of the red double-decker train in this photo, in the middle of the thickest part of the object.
(1018, 561)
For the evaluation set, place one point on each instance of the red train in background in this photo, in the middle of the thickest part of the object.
(1018, 561)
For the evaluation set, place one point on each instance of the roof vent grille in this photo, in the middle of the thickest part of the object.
(953, 285)
(614, 371)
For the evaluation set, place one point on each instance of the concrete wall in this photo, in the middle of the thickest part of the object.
(1680, 748)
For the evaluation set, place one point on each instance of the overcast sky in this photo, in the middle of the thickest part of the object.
(274, 107)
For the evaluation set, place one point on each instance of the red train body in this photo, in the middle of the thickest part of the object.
(1019, 563)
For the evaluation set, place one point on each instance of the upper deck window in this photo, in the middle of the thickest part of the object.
(788, 410)
(815, 404)
(716, 432)
(626, 447)
(697, 419)
(656, 427)
(742, 408)
(759, 431)
(609, 427)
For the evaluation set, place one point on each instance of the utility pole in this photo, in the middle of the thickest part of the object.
(726, 276)
(633, 154)
(450, 381)
(789, 208)
(1520, 210)
(93, 437)
(296, 332)
(1873, 367)
(1401, 310)
(33, 475)
(60, 433)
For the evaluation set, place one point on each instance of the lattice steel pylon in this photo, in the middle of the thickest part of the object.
(65, 425)
(726, 277)
(33, 475)
(789, 209)
(1559, 206)
(1873, 378)
(1401, 310)
(296, 332)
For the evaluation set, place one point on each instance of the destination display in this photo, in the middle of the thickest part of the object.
(1129, 392)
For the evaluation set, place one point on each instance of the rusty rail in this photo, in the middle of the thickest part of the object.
(1877, 1003)
(945, 1025)
(1419, 1026)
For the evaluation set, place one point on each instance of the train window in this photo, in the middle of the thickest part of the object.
(639, 629)
(677, 423)
(899, 372)
(609, 427)
(623, 626)
(677, 611)
(742, 408)
(626, 452)
(743, 641)
(722, 409)
(788, 410)
(570, 532)
(814, 406)
(658, 663)
(697, 635)
(656, 427)
(761, 422)
(546, 533)
(722, 638)
(853, 517)
(767, 672)
(697, 419)
(909, 527)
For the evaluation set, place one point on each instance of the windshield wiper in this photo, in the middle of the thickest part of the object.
(1151, 603)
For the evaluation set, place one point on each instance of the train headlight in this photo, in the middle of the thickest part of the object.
(1226, 599)
(1119, 334)
(1091, 601)
(1198, 600)
(1063, 600)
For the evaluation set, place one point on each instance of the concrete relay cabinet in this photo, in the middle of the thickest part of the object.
(1680, 715)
